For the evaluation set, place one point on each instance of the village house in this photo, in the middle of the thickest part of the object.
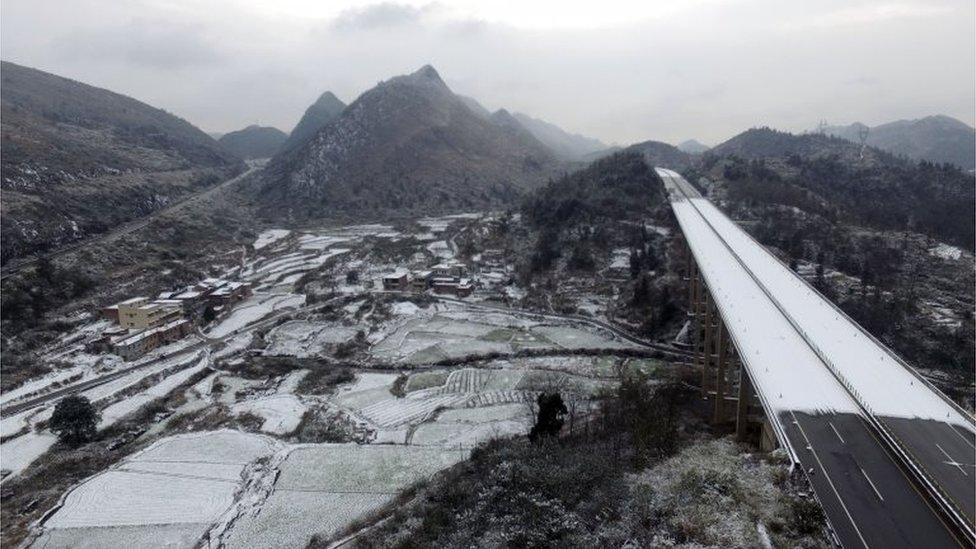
(420, 281)
(396, 281)
(450, 269)
(139, 313)
(459, 287)
(133, 346)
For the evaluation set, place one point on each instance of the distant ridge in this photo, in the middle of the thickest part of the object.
(569, 146)
(692, 146)
(254, 141)
(939, 138)
(325, 109)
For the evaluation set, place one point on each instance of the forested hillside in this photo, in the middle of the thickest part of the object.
(78, 160)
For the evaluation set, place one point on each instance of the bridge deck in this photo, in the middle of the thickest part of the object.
(809, 393)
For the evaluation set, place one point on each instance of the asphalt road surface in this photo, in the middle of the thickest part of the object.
(870, 500)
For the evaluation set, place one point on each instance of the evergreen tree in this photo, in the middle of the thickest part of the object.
(74, 420)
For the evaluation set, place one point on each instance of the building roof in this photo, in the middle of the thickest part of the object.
(139, 336)
(189, 294)
(132, 300)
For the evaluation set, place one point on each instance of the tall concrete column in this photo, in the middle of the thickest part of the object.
(722, 353)
(742, 408)
(707, 347)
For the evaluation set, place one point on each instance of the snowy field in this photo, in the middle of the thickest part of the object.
(281, 413)
(254, 309)
(426, 338)
(323, 487)
(19, 452)
(117, 411)
(946, 251)
(270, 237)
(169, 493)
(468, 427)
(300, 338)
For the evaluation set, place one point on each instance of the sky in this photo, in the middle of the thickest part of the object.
(620, 71)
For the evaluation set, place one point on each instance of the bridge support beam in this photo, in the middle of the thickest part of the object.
(721, 383)
(742, 406)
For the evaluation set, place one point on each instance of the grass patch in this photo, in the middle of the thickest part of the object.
(426, 380)
(502, 335)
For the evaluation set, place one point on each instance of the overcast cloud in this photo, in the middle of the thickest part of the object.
(619, 71)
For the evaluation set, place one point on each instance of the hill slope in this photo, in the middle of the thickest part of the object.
(934, 138)
(692, 146)
(79, 160)
(830, 177)
(569, 146)
(254, 141)
(408, 145)
(662, 154)
(325, 109)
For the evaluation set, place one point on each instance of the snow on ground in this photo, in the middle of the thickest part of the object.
(174, 490)
(158, 535)
(254, 309)
(369, 388)
(12, 424)
(281, 413)
(270, 237)
(574, 338)
(428, 338)
(16, 454)
(120, 409)
(440, 249)
(290, 383)
(302, 338)
(434, 225)
(234, 345)
(621, 259)
(946, 251)
(467, 427)
(324, 487)
(404, 308)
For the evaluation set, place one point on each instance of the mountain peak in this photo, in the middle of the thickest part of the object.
(328, 99)
(325, 109)
(428, 72)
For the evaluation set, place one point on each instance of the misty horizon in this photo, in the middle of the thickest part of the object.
(703, 71)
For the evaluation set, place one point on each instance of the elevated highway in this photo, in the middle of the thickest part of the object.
(889, 457)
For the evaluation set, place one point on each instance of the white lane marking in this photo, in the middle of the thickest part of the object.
(951, 461)
(835, 432)
(873, 487)
(954, 430)
(830, 482)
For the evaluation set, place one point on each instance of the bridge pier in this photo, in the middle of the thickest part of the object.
(725, 385)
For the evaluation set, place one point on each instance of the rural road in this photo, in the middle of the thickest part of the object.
(19, 406)
(16, 265)
(27, 404)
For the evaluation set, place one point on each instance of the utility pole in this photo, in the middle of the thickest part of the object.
(862, 136)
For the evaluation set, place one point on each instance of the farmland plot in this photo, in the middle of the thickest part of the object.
(169, 493)
(323, 487)
(302, 339)
(281, 413)
(254, 309)
(466, 428)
